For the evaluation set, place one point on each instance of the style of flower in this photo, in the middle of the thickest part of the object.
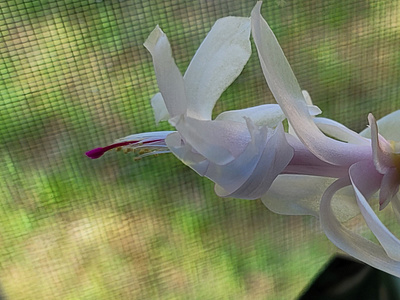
(367, 165)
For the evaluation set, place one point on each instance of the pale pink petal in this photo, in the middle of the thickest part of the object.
(169, 78)
(216, 64)
(350, 242)
(287, 92)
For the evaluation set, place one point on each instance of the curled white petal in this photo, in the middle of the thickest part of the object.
(340, 132)
(301, 195)
(350, 242)
(362, 181)
(216, 64)
(251, 174)
(286, 90)
(169, 78)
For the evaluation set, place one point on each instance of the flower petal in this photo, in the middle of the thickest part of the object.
(159, 108)
(251, 174)
(350, 242)
(381, 149)
(186, 154)
(301, 195)
(169, 78)
(216, 64)
(218, 141)
(363, 181)
(388, 127)
(269, 115)
(340, 132)
(286, 90)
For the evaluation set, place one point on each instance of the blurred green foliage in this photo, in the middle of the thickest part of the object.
(74, 75)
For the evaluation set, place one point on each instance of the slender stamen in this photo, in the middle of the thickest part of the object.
(98, 152)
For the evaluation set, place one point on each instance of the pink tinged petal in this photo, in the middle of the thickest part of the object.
(350, 242)
(159, 108)
(287, 92)
(216, 64)
(301, 195)
(306, 163)
(362, 181)
(381, 149)
(169, 78)
(218, 141)
(251, 174)
(269, 115)
(340, 132)
(388, 127)
(389, 187)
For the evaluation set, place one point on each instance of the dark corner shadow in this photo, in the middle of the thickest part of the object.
(347, 279)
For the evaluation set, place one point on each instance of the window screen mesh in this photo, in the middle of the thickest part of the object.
(75, 75)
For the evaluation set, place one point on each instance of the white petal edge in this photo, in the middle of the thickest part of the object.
(251, 174)
(350, 242)
(388, 127)
(186, 154)
(218, 141)
(269, 115)
(301, 195)
(286, 90)
(361, 180)
(169, 78)
(340, 132)
(217, 63)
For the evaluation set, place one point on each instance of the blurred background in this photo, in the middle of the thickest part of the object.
(75, 76)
